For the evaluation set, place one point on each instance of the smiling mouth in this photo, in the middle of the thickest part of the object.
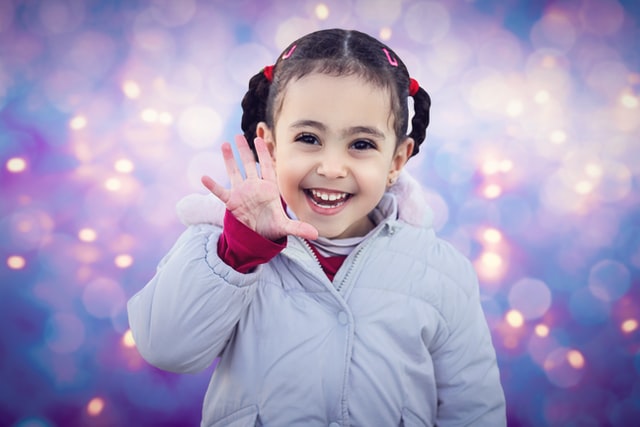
(327, 199)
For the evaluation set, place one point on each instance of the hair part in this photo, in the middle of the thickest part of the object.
(337, 52)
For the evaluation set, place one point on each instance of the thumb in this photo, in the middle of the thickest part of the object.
(301, 229)
(218, 190)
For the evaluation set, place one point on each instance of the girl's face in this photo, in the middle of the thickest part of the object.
(334, 150)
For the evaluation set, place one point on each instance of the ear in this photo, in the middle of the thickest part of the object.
(263, 131)
(402, 154)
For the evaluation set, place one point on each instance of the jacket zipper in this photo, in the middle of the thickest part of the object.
(313, 254)
(315, 258)
(356, 257)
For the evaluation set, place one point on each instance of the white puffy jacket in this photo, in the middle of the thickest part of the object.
(398, 339)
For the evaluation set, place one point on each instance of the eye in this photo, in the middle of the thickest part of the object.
(363, 144)
(307, 138)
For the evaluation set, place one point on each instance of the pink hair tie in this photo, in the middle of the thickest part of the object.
(290, 52)
(391, 60)
(268, 73)
(413, 87)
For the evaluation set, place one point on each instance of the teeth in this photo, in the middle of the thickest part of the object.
(328, 197)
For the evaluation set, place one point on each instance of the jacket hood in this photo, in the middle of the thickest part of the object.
(412, 205)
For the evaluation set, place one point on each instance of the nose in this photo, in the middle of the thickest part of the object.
(332, 165)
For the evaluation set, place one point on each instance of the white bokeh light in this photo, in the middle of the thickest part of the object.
(200, 126)
(531, 297)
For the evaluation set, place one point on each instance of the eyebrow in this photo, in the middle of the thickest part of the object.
(355, 130)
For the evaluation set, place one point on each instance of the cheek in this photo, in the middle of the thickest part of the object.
(375, 174)
(288, 174)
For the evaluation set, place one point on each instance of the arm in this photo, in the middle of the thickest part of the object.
(182, 319)
(195, 298)
(467, 377)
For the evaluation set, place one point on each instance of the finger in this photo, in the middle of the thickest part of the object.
(218, 190)
(235, 177)
(246, 155)
(266, 163)
(301, 229)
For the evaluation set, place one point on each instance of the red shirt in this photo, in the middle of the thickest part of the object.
(243, 249)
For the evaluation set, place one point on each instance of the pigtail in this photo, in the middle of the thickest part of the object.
(254, 108)
(420, 120)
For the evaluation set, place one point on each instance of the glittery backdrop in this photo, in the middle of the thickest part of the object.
(111, 110)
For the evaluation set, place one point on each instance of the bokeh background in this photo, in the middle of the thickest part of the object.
(110, 111)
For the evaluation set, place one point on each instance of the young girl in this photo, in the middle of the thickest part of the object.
(324, 292)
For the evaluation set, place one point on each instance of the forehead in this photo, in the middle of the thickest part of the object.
(338, 101)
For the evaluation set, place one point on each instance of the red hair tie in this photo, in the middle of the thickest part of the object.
(268, 73)
(413, 87)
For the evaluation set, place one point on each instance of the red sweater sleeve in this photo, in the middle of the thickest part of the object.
(242, 248)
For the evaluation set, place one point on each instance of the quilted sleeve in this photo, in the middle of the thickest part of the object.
(183, 318)
(467, 376)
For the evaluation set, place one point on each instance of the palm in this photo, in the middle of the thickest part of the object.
(255, 200)
(256, 203)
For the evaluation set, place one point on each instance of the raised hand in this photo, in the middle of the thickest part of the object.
(255, 200)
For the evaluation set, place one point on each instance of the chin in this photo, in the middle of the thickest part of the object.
(329, 232)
